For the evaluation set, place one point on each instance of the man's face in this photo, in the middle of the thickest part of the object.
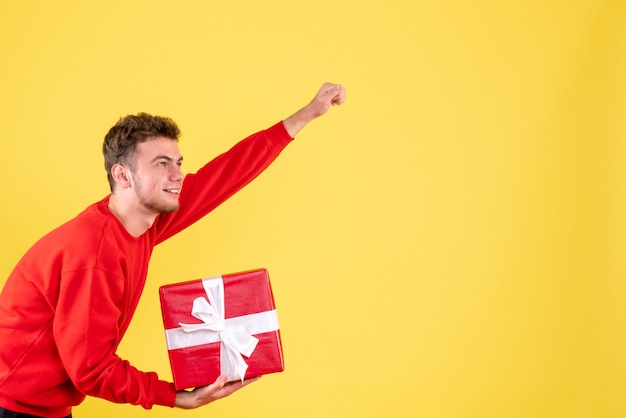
(157, 178)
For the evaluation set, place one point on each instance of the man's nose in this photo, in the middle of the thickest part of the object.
(176, 173)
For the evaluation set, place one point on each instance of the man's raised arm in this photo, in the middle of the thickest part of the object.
(329, 95)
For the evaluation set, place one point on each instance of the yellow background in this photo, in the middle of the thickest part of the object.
(449, 243)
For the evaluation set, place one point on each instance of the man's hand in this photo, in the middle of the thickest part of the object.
(328, 95)
(206, 394)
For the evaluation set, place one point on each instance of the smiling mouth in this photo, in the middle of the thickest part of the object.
(173, 191)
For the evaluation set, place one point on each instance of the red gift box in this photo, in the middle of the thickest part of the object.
(221, 325)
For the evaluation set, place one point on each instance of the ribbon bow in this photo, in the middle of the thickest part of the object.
(235, 342)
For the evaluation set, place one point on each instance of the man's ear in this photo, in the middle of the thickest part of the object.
(121, 176)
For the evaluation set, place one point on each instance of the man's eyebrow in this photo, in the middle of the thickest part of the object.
(167, 158)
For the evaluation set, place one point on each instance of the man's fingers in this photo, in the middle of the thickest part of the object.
(339, 97)
(250, 380)
(231, 387)
(219, 382)
(222, 383)
(334, 93)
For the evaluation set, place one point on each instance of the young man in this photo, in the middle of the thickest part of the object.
(70, 299)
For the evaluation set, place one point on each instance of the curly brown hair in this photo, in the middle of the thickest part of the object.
(122, 139)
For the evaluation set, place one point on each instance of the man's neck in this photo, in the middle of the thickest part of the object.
(135, 219)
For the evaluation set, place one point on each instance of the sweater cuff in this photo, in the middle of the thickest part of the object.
(277, 136)
(165, 394)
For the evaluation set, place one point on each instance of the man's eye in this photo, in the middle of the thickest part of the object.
(162, 164)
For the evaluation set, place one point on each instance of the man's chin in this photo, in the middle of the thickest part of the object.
(171, 209)
(162, 209)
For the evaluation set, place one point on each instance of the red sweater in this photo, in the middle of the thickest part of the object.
(67, 304)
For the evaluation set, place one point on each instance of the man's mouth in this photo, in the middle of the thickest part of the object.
(173, 191)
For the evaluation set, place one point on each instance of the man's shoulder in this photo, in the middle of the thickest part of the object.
(85, 230)
(86, 222)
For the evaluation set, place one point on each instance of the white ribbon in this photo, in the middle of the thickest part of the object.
(234, 334)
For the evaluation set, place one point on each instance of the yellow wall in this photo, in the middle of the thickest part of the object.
(447, 244)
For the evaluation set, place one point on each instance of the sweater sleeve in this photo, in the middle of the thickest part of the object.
(222, 177)
(86, 329)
